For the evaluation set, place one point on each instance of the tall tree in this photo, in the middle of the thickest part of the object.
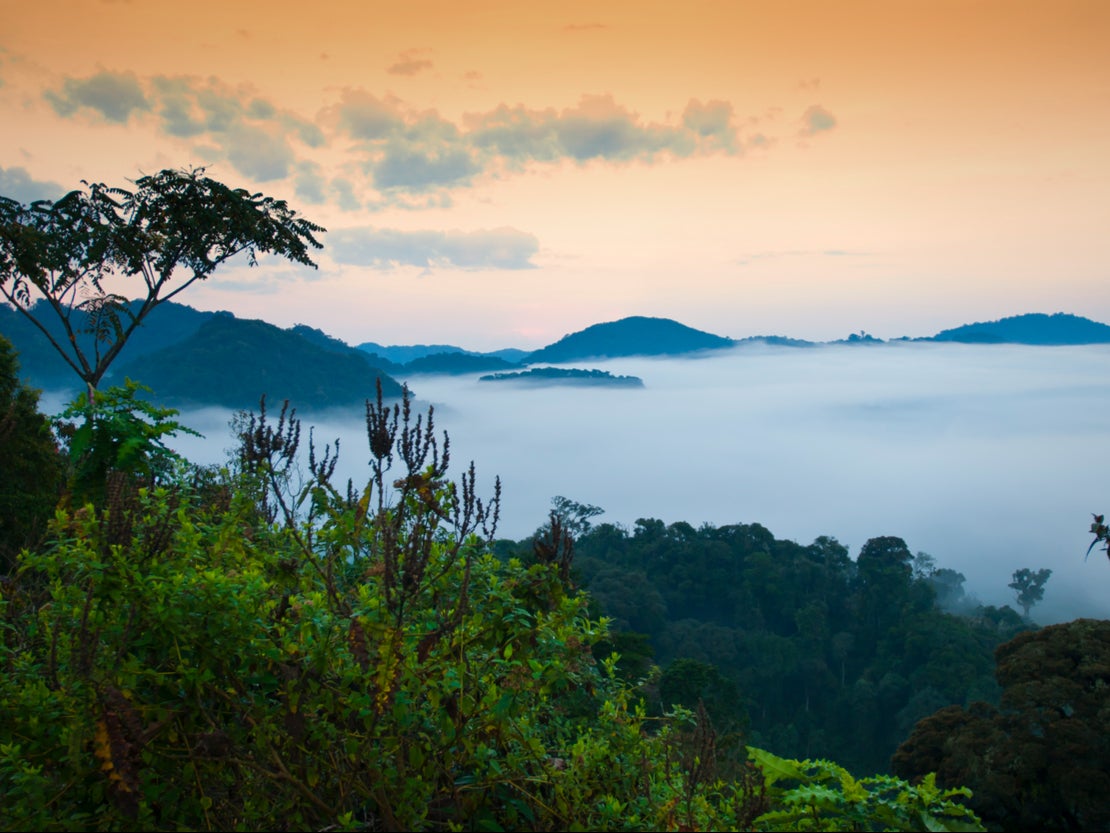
(1029, 587)
(174, 229)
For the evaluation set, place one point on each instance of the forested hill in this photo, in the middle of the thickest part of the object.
(210, 358)
(169, 324)
(232, 362)
(1033, 328)
(635, 336)
(800, 649)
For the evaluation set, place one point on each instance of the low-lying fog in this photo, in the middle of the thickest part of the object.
(989, 458)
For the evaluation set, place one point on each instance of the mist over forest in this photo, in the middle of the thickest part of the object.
(989, 458)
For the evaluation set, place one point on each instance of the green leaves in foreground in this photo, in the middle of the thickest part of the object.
(820, 795)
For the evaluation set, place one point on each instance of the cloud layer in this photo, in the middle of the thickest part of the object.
(501, 248)
(17, 184)
(396, 153)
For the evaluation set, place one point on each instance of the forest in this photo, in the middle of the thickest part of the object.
(253, 646)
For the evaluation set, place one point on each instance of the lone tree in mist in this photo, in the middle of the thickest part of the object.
(171, 231)
(1029, 587)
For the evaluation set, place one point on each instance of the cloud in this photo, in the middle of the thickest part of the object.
(599, 128)
(712, 122)
(584, 27)
(817, 120)
(414, 152)
(344, 193)
(248, 131)
(115, 95)
(366, 117)
(409, 62)
(260, 153)
(398, 155)
(17, 184)
(312, 186)
(416, 168)
(386, 249)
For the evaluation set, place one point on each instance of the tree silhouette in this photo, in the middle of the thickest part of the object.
(173, 230)
(1029, 587)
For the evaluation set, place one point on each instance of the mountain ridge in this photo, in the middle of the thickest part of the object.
(335, 371)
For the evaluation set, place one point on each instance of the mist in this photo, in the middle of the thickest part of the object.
(989, 458)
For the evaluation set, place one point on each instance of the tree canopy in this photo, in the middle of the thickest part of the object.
(176, 227)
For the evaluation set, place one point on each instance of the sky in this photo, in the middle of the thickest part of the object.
(498, 174)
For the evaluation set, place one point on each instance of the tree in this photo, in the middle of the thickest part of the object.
(30, 465)
(174, 229)
(1029, 587)
(1042, 760)
(573, 516)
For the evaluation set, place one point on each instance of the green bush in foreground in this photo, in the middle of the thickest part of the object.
(249, 653)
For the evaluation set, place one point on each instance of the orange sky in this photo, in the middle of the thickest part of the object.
(497, 174)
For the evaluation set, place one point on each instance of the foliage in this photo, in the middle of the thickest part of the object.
(31, 472)
(829, 657)
(1102, 535)
(119, 431)
(1042, 760)
(1028, 587)
(820, 795)
(257, 650)
(175, 221)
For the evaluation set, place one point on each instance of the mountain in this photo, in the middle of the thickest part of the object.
(406, 354)
(334, 345)
(1032, 328)
(403, 354)
(167, 324)
(456, 363)
(635, 336)
(232, 362)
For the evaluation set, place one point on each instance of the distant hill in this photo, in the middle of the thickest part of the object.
(775, 341)
(231, 362)
(322, 339)
(40, 362)
(1033, 328)
(456, 363)
(403, 354)
(565, 376)
(635, 336)
(406, 354)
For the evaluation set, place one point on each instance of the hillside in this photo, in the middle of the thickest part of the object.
(455, 363)
(232, 362)
(634, 336)
(1032, 328)
(168, 324)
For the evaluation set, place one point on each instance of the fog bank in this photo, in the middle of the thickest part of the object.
(990, 458)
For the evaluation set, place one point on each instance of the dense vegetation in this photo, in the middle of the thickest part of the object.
(31, 470)
(246, 649)
(1039, 760)
(799, 648)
